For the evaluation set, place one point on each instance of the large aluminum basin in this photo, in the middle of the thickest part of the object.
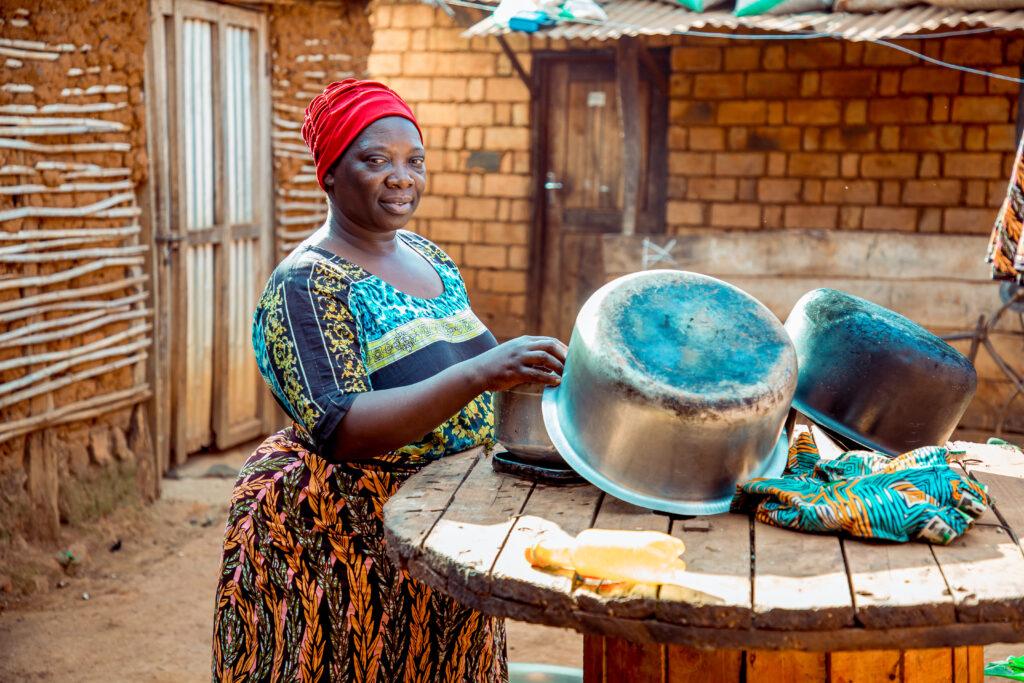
(675, 389)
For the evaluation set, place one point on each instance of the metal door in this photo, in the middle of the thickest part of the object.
(216, 234)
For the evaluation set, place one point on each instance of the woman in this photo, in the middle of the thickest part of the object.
(365, 336)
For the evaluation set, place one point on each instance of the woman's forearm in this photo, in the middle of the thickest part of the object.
(381, 421)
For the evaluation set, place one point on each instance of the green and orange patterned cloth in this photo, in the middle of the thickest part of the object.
(914, 496)
(1005, 247)
(306, 590)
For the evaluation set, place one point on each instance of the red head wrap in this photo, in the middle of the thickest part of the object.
(337, 116)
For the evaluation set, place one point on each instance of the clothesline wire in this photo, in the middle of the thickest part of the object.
(797, 35)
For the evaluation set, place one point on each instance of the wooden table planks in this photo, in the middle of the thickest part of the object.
(461, 527)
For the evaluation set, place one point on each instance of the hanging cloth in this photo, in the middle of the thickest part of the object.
(1005, 247)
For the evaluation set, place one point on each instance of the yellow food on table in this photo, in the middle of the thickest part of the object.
(612, 554)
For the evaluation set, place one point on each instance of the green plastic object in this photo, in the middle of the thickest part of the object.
(1011, 667)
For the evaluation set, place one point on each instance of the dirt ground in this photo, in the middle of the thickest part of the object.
(137, 604)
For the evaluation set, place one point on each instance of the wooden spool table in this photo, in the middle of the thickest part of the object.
(792, 606)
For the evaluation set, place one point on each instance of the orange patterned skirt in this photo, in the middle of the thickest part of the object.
(307, 592)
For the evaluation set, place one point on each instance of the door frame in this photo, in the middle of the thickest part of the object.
(657, 186)
(165, 228)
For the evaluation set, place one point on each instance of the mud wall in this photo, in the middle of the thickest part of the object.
(74, 320)
(311, 46)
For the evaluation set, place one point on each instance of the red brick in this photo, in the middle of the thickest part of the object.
(932, 192)
(889, 138)
(974, 139)
(989, 109)
(855, 112)
(707, 138)
(737, 138)
(510, 282)
(974, 51)
(811, 139)
(851, 217)
(743, 112)
(849, 165)
(770, 138)
(898, 110)
(999, 86)
(1001, 137)
(814, 55)
(485, 256)
(735, 215)
(972, 165)
(883, 55)
(684, 213)
(889, 83)
(447, 183)
(384, 64)
(996, 193)
(778, 190)
(850, 138)
(712, 188)
(474, 114)
(809, 84)
(739, 164)
(458, 64)
(814, 112)
(697, 59)
(503, 138)
(849, 83)
(690, 163)
(742, 58)
(930, 220)
(773, 84)
(776, 164)
(812, 192)
(930, 80)
(811, 217)
(968, 221)
(929, 166)
(940, 109)
(506, 185)
(433, 206)
(424, 64)
(934, 137)
(506, 90)
(776, 113)
(774, 57)
(412, 16)
(449, 231)
(850, 192)
(888, 165)
(890, 193)
(680, 85)
(746, 190)
(476, 208)
(810, 164)
(890, 218)
(718, 86)
(691, 112)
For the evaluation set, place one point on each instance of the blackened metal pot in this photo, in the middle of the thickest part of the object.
(519, 425)
(875, 377)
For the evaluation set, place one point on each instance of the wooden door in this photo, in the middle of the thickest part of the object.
(584, 178)
(215, 230)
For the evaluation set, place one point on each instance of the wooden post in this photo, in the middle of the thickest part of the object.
(627, 68)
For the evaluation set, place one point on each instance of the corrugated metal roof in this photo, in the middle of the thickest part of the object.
(646, 17)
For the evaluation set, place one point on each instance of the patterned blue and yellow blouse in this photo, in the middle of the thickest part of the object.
(326, 330)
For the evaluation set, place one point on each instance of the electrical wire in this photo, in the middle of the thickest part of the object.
(799, 35)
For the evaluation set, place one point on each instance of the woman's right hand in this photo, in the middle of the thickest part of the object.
(519, 361)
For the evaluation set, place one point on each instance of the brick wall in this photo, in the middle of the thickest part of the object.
(475, 116)
(840, 135)
(762, 135)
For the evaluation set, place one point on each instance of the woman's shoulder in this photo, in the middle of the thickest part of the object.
(308, 264)
(429, 250)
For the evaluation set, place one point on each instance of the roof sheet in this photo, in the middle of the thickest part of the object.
(647, 17)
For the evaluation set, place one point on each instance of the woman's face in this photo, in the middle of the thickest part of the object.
(377, 183)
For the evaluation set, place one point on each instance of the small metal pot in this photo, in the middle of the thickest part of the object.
(875, 377)
(675, 389)
(519, 425)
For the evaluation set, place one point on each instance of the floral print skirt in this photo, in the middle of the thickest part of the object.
(307, 592)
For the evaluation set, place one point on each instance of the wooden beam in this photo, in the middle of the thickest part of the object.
(627, 69)
(510, 53)
(657, 77)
